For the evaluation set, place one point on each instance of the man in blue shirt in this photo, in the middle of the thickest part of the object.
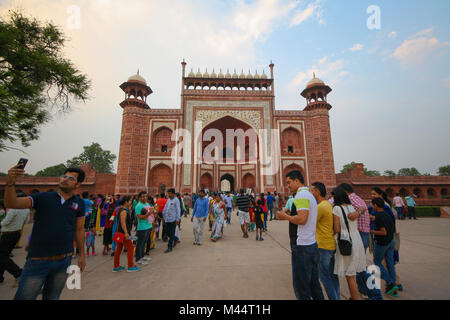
(228, 199)
(59, 218)
(199, 216)
(270, 199)
(171, 218)
(411, 206)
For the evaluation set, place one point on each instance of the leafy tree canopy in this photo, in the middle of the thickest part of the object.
(34, 78)
(444, 171)
(408, 172)
(101, 160)
(53, 171)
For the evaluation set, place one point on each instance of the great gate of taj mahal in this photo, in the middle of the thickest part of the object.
(222, 103)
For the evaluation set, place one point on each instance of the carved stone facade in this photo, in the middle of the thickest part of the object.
(224, 102)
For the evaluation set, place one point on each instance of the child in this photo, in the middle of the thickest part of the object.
(252, 218)
(259, 219)
(107, 232)
(90, 240)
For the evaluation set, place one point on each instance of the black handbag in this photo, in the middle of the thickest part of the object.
(345, 246)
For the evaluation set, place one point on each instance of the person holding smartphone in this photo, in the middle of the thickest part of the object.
(58, 220)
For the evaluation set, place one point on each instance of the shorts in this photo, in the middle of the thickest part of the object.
(244, 217)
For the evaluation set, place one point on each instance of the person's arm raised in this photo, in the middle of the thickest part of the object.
(11, 200)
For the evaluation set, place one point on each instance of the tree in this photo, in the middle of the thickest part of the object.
(100, 159)
(34, 78)
(389, 173)
(408, 172)
(53, 171)
(371, 173)
(347, 167)
(444, 171)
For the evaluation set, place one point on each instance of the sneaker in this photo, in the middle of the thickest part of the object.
(394, 294)
(133, 269)
(168, 250)
(120, 268)
(194, 243)
(147, 258)
(261, 239)
(390, 289)
(257, 238)
(94, 253)
(400, 287)
(142, 262)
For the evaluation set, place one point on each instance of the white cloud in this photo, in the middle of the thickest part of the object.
(416, 49)
(328, 71)
(392, 34)
(356, 47)
(302, 15)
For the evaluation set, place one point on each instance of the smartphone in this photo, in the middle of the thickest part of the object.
(22, 162)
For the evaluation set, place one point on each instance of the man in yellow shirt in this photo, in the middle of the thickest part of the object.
(326, 242)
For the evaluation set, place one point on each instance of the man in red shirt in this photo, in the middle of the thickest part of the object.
(161, 202)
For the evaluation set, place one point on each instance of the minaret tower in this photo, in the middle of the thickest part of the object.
(315, 93)
(130, 178)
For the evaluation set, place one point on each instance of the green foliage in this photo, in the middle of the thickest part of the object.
(53, 171)
(371, 173)
(2, 174)
(347, 167)
(444, 171)
(34, 78)
(428, 211)
(100, 159)
(408, 172)
(389, 173)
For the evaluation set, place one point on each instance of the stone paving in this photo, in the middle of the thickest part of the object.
(238, 268)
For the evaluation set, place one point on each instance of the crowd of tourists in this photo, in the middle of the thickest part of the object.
(329, 230)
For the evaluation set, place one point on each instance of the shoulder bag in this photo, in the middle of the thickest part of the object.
(345, 246)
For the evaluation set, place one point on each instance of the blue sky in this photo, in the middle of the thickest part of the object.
(391, 87)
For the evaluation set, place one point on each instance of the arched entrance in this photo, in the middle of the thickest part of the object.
(206, 181)
(227, 183)
(160, 178)
(249, 181)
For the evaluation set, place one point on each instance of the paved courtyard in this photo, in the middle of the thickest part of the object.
(238, 268)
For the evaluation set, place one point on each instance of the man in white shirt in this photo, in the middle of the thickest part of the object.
(399, 205)
(10, 235)
(302, 232)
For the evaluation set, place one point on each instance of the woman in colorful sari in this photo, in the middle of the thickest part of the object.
(220, 216)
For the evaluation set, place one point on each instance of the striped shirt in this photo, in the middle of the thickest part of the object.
(243, 202)
(364, 219)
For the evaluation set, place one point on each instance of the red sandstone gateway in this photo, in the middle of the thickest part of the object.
(222, 101)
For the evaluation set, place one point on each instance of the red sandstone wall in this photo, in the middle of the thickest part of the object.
(133, 152)
(320, 151)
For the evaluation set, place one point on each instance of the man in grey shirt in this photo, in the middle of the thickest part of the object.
(171, 217)
(11, 228)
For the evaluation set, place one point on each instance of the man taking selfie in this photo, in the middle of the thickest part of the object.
(59, 218)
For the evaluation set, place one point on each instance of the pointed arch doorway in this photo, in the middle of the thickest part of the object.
(227, 183)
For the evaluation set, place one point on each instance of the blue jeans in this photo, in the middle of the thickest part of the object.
(329, 280)
(399, 212)
(305, 272)
(52, 275)
(381, 252)
(229, 210)
(271, 211)
(361, 277)
(142, 236)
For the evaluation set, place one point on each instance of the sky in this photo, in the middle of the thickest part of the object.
(388, 63)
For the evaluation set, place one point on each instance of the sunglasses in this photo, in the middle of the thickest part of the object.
(68, 177)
